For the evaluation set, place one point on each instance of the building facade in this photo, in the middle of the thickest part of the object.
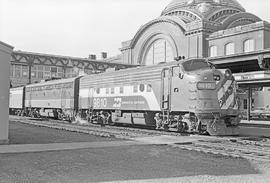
(27, 67)
(219, 30)
(197, 28)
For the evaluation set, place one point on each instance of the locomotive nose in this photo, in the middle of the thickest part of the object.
(206, 92)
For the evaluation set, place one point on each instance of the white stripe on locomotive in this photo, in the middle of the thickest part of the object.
(224, 88)
(128, 91)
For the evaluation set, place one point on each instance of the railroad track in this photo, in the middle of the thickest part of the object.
(93, 129)
(239, 147)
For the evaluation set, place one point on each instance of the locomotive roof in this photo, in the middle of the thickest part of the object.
(52, 82)
(136, 75)
(144, 68)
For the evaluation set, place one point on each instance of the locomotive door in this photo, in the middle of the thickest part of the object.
(91, 99)
(63, 98)
(165, 101)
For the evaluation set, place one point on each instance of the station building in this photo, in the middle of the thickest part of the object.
(219, 30)
(29, 67)
(197, 28)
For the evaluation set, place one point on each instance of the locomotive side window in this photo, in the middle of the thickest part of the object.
(141, 87)
(149, 88)
(98, 90)
(176, 71)
(107, 90)
(112, 90)
(135, 88)
(121, 89)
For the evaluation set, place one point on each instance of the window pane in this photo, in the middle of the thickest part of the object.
(53, 69)
(47, 75)
(159, 51)
(60, 69)
(17, 73)
(33, 74)
(25, 71)
(35, 67)
(213, 51)
(169, 53)
(40, 75)
(249, 45)
(229, 49)
(150, 57)
(47, 68)
(40, 68)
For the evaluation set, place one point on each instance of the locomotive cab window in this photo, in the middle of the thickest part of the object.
(176, 71)
(193, 65)
(141, 87)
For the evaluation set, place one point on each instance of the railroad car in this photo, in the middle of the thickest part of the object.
(55, 98)
(16, 100)
(188, 95)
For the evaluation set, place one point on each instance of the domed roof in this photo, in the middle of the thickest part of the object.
(202, 7)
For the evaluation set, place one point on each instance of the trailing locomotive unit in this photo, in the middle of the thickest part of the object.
(55, 98)
(189, 95)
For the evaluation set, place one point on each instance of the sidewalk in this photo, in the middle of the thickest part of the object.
(255, 128)
(255, 122)
(26, 148)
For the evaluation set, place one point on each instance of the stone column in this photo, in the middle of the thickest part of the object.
(5, 57)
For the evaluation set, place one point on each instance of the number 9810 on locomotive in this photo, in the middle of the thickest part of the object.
(187, 96)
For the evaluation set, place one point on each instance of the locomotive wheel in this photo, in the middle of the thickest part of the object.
(60, 117)
(111, 123)
(180, 127)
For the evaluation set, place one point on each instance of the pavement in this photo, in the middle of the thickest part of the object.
(155, 140)
(56, 156)
(256, 122)
(255, 128)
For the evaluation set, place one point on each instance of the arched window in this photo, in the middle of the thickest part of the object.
(229, 49)
(249, 45)
(213, 51)
(159, 51)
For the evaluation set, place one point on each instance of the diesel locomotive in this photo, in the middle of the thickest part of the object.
(188, 95)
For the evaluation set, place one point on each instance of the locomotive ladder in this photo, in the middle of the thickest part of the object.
(165, 95)
(91, 100)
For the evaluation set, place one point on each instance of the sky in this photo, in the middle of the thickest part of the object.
(81, 27)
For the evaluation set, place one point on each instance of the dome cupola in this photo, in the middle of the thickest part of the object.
(201, 9)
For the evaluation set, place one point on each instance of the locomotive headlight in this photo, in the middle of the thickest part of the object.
(206, 86)
(217, 77)
(228, 73)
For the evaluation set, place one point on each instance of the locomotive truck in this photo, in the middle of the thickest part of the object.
(188, 95)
